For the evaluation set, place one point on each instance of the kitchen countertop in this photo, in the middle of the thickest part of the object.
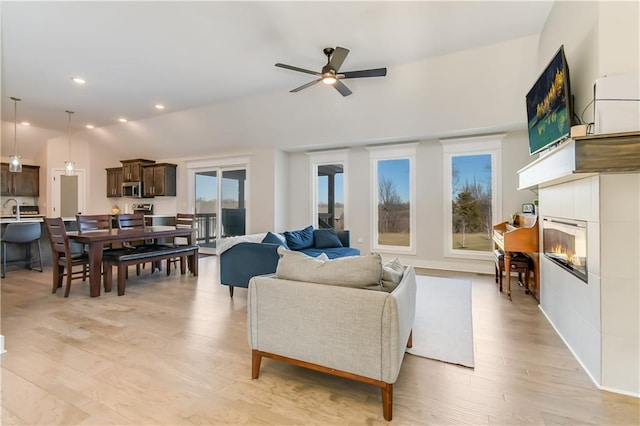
(26, 219)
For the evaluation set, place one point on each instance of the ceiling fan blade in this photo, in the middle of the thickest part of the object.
(304, 86)
(292, 68)
(337, 58)
(340, 87)
(376, 72)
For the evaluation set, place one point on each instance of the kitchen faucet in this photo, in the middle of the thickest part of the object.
(17, 207)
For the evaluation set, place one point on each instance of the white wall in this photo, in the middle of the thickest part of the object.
(599, 321)
(430, 198)
(620, 285)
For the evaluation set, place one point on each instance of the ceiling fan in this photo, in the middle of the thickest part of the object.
(329, 74)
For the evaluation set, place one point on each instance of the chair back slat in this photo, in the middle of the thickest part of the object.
(93, 222)
(185, 220)
(130, 220)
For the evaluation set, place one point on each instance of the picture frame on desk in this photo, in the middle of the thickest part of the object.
(529, 208)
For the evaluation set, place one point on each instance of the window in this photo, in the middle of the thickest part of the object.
(472, 202)
(329, 188)
(393, 196)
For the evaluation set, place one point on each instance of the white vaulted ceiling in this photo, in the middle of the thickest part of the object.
(191, 54)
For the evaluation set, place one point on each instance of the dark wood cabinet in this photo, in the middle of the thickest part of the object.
(114, 182)
(23, 184)
(132, 169)
(159, 180)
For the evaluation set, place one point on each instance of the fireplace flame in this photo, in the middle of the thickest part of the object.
(571, 258)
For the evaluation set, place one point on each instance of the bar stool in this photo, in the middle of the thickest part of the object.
(520, 263)
(21, 233)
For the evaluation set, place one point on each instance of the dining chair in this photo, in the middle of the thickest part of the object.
(183, 220)
(64, 261)
(134, 221)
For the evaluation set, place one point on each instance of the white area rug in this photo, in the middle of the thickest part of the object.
(443, 328)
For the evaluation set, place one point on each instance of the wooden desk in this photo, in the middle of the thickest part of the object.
(95, 240)
(522, 237)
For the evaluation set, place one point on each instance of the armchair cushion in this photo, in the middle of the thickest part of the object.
(355, 272)
(326, 238)
(300, 239)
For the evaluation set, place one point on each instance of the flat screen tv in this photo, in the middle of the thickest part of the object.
(549, 106)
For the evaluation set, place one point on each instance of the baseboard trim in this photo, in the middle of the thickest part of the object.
(486, 267)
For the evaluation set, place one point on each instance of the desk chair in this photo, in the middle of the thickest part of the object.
(520, 263)
(21, 233)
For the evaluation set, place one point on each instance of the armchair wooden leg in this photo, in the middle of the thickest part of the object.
(231, 291)
(256, 359)
(410, 341)
(387, 401)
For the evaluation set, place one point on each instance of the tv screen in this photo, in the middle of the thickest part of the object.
(549, 108)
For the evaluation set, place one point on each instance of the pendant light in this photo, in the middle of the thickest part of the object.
(69, 166)
(15, 161)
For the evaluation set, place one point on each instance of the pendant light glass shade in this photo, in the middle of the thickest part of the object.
(69, 166)
(15, 161)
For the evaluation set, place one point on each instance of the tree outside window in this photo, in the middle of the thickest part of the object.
(471, 202)
(394, 208)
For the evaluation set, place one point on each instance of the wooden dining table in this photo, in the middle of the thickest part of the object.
(96, 240)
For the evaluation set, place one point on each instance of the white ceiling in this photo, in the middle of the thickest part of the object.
(190, 54)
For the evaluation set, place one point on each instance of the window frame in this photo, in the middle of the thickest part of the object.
(476, 145)
(393, 152)
(324, 158)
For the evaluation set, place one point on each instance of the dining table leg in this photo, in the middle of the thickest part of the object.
(95, 268)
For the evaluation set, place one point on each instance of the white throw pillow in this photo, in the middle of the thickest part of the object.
(392, 273)
(352, 271)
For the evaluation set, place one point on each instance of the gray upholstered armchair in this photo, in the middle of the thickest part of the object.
(349, 332)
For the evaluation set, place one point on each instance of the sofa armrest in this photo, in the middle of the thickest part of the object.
(359, 331)
(245, 260)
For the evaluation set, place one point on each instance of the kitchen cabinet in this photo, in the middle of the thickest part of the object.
(159, 180)
(23, 184)
(114, 182)
(132, 169)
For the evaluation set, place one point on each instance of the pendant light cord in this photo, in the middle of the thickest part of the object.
(69, 135)
(15, 125)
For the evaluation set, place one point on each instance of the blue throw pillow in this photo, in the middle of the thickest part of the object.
(301, 239)
(272, 238)
(326, 238)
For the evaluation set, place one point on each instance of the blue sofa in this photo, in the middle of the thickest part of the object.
(245, 260)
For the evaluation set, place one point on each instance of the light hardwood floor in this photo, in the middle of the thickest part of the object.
(174, 350)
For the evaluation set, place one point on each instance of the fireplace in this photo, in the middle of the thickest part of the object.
(564, 242)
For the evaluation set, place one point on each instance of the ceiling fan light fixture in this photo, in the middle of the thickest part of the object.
(329, 79)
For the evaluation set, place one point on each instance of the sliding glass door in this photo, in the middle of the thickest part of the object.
(220, 193)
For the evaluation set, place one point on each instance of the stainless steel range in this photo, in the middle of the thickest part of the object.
(25, 211)
(146, 208)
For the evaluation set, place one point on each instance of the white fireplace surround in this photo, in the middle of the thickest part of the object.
(599, 322)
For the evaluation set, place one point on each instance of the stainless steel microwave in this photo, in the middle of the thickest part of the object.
(132, 189)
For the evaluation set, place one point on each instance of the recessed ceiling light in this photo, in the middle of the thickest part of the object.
(122, 120)
(89, 126)
(25, 123)
(159, 106)
(79, 80)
